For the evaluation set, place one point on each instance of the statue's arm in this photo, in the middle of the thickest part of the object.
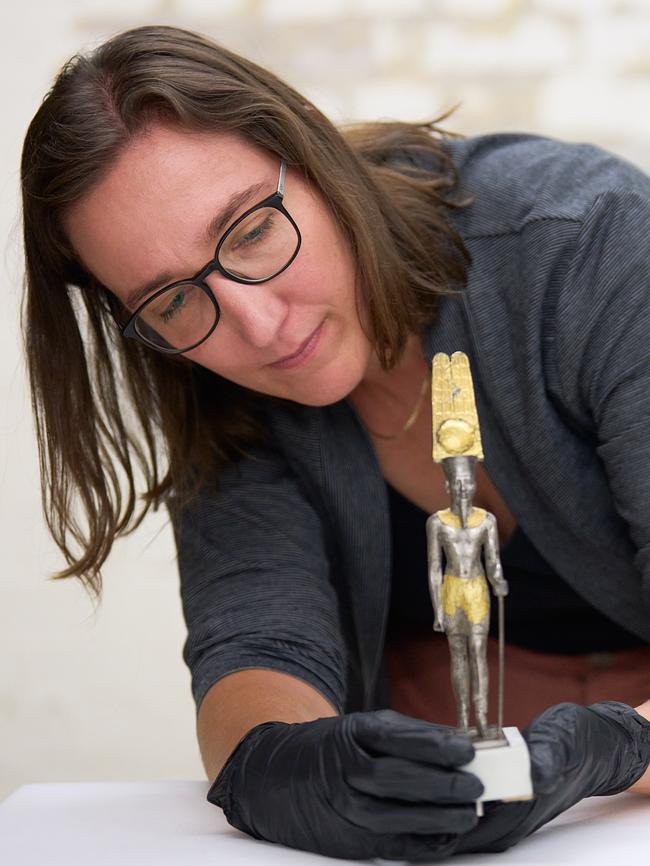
(492, 559)
(434, 552)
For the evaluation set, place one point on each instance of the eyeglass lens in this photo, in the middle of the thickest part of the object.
(257, 248)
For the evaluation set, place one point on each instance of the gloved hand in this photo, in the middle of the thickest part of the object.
(575, 752)
(362, 785)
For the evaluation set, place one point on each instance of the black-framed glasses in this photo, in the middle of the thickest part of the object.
(258, 246)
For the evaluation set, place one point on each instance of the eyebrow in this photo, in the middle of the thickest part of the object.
(211, 233)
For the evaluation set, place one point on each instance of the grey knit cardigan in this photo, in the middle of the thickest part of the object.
(287, 564)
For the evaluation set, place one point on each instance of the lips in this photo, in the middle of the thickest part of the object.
(298, 350)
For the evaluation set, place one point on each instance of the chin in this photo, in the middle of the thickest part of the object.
(321, 398)
(325, 391)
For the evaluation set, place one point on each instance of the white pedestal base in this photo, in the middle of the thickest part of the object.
(504, 769)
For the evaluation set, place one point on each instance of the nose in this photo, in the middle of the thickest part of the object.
(253, 312)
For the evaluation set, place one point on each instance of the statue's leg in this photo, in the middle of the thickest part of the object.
(480, 678)
(460, 676)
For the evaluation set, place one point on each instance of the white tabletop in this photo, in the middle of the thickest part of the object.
(159, 823)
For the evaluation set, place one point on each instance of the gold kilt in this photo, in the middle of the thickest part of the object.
(470, 594)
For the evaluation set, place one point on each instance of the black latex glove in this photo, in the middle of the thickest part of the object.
(362, 785)
(575, 752)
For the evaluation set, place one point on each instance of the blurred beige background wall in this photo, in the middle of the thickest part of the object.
(105, 695)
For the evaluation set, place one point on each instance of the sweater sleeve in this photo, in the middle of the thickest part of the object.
(602, 331)
(255, 581)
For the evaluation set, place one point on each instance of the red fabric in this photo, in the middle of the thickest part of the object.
(418, 672)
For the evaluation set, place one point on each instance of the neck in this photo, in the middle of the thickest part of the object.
(455, 508)
(392, 390)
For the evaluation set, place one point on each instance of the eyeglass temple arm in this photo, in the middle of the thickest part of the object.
(283, 171)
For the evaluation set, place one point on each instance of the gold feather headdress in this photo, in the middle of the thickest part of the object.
(456, 430)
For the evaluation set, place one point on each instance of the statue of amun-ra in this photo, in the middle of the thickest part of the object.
(464, 534)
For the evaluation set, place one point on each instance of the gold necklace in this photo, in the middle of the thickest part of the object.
(412, 418)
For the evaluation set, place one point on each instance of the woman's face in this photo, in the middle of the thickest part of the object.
(145, 223)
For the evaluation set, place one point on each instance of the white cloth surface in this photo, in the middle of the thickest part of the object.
(161, 823)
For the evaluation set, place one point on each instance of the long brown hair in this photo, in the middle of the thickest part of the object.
(108, 410)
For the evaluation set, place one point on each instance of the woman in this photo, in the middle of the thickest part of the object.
(220, 281)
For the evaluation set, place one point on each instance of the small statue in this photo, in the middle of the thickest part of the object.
(460, 596)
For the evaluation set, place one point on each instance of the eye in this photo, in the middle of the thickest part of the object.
(174, 305)
(250, 235)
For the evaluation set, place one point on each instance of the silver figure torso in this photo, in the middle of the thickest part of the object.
(463, 547)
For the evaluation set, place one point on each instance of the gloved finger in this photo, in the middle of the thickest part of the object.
(373, 813)
(387, 732)
(502, 825)
(548, 737)
(548, 765)
(415, 848)
(405, 780)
